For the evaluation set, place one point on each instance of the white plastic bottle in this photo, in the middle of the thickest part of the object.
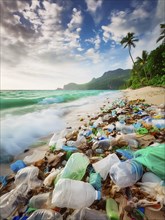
(67, 194)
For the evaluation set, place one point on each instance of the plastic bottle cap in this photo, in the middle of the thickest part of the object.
(98, 195)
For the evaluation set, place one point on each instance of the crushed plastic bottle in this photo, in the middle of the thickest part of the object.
(150, 177)
(159, 123)
(126, 173)
(44, 214)
(66, 194)
(87, 214)
(40, 201)
(26, 180)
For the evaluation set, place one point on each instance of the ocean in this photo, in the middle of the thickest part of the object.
(27, 116)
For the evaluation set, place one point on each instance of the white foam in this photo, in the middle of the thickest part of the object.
(19, 132)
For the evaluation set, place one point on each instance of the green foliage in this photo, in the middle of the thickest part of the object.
(149, 69)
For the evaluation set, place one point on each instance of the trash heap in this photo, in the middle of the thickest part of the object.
(112, 167)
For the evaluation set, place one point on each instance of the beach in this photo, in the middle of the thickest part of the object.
(81, 115)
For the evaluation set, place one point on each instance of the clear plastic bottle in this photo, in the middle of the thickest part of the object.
(43, 214)
(67, 191)
(39, 201)
(87, 214)
(126, 173)
(103, 166)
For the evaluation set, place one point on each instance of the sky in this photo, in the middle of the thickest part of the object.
(46, 44)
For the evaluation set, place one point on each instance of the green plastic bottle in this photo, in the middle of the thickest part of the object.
(112, 209)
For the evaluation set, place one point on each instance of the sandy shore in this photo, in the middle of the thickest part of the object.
(152, 95)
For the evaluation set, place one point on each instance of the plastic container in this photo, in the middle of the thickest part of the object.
(33, 158)
(60, 143)
(81, 140)
(87, 214)
(112, 209)
(19, 164)
(75, 167)
(45, 214)
(74, 194)
(103, 166)
(150, 177)
(29, 176)
(95, 180)
(126, 173)
(39, 201)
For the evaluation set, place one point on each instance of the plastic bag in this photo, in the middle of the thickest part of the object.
(153, 158)
(75, 167)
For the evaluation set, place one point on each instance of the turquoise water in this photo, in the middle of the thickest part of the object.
(27, 116)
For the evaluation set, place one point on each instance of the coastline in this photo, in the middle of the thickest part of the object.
(81, 115)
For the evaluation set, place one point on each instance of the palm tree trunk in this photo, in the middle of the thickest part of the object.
(129, 49)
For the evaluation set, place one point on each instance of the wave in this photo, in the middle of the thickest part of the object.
(19, 132)
(21, 99)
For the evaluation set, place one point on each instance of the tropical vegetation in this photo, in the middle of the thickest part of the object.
(149, 69)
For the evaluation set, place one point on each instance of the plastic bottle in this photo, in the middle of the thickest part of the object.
(26, 180)
(81, 140)
(37, 155)
(103, 166)
(75, 167)
(112, 209)
(69, 148)
(67, 194)
(43, 214)
(39, 201)
(95, 180)
(126, 173)
(87, 214)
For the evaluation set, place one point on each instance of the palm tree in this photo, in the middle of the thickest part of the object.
(141, 61)
(162, 34)
(129, 41)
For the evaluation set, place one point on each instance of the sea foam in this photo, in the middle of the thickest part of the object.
(19, 132)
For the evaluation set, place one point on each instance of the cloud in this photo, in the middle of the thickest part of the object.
(93, 55)
(96, 41)
(138, 21)
(76, 20)
(94, 6)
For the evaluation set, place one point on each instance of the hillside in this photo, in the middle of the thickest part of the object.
(114, 79)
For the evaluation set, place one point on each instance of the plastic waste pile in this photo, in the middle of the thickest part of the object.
(111, 168)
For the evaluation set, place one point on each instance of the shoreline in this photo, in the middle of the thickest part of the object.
(81, 115)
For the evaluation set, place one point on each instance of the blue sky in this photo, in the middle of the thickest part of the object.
(46, 44)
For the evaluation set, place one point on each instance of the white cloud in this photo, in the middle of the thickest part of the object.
(96, 41)
(138, 21)
(93, 55)
(93, 6)
(76, 20)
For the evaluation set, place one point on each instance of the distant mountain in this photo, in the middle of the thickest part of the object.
(114, 79)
